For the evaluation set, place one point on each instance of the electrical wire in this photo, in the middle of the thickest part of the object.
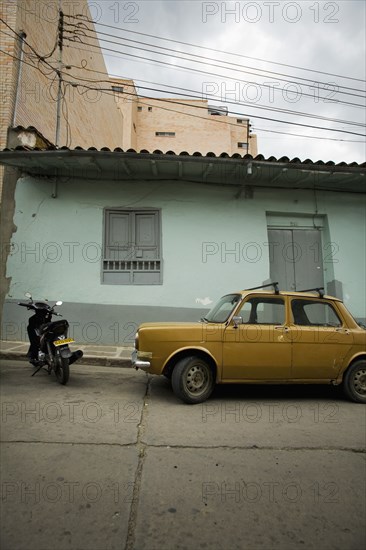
(25, 62)
(25, 42)
(192, 95)
(255, 129)
(84, 18)
(108, 91)
(82, 34)
(330, 100)
(73, 83)
(254, 106)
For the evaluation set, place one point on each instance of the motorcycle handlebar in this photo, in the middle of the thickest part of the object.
(33, 305)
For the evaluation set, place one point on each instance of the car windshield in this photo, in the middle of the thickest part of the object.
(222, 310)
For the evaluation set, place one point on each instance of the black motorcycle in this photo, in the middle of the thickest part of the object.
(49, 344)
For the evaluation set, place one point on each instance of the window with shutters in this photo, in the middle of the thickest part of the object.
(132, 247)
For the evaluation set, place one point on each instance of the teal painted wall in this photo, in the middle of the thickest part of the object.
(57, 246)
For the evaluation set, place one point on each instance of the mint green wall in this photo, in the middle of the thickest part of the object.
(192, 214)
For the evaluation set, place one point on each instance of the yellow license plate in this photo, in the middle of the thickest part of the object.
(63, 342)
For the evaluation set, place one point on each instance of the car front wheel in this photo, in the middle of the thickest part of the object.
(354, 383)
(193, 380)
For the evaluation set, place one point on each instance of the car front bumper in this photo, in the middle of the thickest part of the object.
(138, 362)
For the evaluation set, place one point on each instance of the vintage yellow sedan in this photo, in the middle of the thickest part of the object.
(258, 336)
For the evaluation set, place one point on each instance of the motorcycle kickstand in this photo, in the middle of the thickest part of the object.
(35, 372)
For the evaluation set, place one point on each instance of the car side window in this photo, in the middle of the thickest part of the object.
(314, 313)
(264, 311)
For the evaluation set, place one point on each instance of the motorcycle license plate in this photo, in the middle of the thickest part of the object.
(63, 342)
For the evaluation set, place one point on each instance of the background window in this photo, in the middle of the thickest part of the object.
(131, 254)
(242, 145)
(165, 134)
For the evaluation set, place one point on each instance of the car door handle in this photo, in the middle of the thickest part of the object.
(285, 329)
(343, 330)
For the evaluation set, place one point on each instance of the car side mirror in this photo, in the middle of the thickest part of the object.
(237, 321)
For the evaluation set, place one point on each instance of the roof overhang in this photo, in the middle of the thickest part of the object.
(241, 172)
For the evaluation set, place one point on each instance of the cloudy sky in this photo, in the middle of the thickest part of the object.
(259, 58)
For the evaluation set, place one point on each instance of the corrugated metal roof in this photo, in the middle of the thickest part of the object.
(236, 170)
(271, 159)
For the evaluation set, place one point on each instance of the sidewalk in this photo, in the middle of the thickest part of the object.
(106, 356)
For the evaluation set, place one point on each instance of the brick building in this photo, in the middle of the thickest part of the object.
(30, 86)
(180, 124)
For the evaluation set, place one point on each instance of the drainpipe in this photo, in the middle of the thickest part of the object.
(22, 36)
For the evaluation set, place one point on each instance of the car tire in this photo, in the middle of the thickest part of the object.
(354, 382)
(193, 380)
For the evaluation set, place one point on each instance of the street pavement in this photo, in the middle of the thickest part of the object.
(114, 461)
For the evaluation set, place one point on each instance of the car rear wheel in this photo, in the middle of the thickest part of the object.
(354, 383)
(193, 380)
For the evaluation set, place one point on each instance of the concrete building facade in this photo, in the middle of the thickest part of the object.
(86, 114)
(151, 237)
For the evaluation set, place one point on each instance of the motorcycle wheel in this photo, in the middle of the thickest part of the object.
(62, 370)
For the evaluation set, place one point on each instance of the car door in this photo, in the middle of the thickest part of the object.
(320, 339)
(258, 347)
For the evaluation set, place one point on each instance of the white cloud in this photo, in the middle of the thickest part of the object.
(322, 36)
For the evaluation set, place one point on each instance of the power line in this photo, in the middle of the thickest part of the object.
(74, 84)
(81, 34)
(84, 18)
(190, 69)
(25, 62)
(213, 98)
(192, 96)
(180, 112)
(108, 90)
(25, 42)
(312, 137)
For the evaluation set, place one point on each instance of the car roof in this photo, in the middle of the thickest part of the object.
(289, 293)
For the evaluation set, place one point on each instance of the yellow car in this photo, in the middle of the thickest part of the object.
(258, 336)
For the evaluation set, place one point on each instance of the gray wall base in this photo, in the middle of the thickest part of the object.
(97, 323)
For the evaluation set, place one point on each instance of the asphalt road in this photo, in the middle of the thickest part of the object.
(114, 461)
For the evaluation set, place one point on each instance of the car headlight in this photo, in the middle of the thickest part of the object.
(137, 340)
